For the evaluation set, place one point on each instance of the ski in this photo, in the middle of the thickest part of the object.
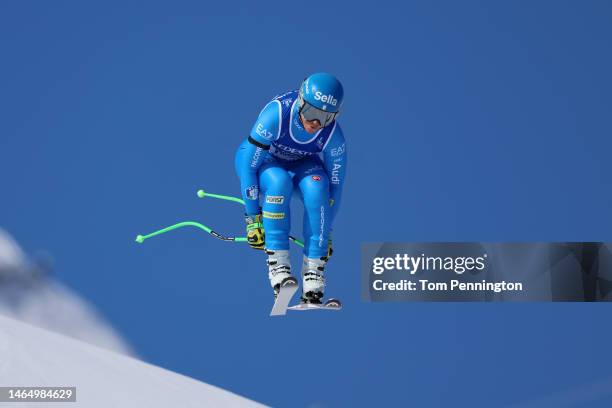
(331, 304)
(285, 293)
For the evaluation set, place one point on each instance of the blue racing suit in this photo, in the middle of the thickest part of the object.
(280, 157)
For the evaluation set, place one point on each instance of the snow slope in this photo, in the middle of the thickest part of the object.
(29, 294)
(30, 356)
(50, 305)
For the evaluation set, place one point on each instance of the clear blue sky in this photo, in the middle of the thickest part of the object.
(485, 121)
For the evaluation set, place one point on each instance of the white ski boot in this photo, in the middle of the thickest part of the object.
(284, 285)
(313, 280)
(279, 268)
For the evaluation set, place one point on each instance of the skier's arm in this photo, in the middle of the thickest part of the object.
(249, 160)
(254, 152)
(334, 160)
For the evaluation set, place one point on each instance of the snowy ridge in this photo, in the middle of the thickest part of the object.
(30, 356)
(50, 305)
(30, 294)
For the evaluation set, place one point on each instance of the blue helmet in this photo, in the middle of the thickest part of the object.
(320, 98)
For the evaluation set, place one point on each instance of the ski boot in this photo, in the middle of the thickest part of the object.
(279, 269)
(313, 280)
(284, 285)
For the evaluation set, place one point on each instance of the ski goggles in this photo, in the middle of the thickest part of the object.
(311, 113)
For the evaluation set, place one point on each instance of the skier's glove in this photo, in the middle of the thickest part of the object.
(255, 231)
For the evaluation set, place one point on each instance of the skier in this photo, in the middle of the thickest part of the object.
(283, 154)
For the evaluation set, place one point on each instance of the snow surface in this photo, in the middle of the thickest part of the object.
(28, 293)
(30, 356)
(50, 305)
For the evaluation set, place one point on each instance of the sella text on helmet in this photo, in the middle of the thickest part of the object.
(413, 264)
(326, 98)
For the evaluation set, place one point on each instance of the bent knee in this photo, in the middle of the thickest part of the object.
(314, 184)
(315, 191)
(277, 182)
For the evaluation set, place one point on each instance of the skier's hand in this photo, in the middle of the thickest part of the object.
(255, 231)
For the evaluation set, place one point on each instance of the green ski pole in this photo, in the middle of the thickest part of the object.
(141, 238)
(203, 194)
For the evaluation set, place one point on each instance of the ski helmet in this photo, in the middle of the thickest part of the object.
(320, 98)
